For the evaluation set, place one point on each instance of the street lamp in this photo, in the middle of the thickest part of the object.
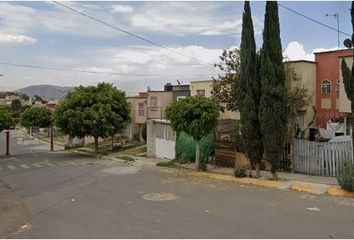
(335, 15)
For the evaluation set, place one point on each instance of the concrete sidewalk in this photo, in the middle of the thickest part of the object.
(291, 181)
(268, 175)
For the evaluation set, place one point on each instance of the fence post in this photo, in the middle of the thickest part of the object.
(7, 143)
(51, 138)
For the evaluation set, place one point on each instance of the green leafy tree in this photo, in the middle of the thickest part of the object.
(225, 85)
(348, 76)
(272, 113)
(196, 116)
(36, 117)
(6, 121)
(24, 97)
(249, 93)
(16, 107)
(97, 111)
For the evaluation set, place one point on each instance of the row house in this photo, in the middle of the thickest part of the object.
(138, 112)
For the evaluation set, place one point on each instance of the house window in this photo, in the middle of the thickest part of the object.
(326, 87)
(337, 87)
(201, 93)
(180, 97)
(153, 103)
(141, 109)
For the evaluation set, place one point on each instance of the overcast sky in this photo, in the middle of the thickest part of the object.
(46, 34)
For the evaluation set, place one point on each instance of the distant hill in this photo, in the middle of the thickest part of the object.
(46, 91)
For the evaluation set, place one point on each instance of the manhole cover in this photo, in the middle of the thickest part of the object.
(160, 197)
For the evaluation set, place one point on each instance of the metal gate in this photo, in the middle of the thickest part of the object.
(22, 142)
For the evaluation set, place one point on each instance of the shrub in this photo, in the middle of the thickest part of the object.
(144, 131)
(345, 176)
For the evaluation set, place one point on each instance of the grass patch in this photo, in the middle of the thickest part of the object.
(170, 164)
(126, 158)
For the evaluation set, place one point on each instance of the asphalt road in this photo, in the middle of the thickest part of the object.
(71, 196)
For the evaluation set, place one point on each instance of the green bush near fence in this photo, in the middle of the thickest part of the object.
(345, 176)
(185, 147)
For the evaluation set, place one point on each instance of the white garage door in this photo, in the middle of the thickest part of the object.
(165, 143)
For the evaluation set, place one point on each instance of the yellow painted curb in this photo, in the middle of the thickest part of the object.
(303, 187)
(253, 181)
(338, 192)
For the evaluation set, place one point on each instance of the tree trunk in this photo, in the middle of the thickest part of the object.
(96, 144)
(258, 172)
(275, 175)
(197, 154)
(352, 135)
(250, 169)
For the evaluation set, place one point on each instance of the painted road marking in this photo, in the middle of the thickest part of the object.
(37, 165)
(12, 167)
(24, 166)
(50, 164)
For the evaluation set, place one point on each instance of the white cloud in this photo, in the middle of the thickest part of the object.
(16, 39)
(295, 51)
(167, 65)
(181, 18)
(122, 9)
(173, 18)
(16, 19)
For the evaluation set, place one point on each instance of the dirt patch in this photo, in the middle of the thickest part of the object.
(14, 215)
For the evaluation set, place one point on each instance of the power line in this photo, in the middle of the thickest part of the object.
(130, 33)
(99, 72)
(313, 20)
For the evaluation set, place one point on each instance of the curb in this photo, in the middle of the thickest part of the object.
(312, 188)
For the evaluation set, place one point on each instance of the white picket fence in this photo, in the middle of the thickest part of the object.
(317, 158)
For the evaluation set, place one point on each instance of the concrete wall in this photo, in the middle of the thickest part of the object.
(150, 138)
(181, 93)
(134, 110)
(164, 99)
(306, 71)
(328, 68)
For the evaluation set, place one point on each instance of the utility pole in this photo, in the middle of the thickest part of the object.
(336, 15)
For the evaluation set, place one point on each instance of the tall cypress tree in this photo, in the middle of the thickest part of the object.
(249, 92)
(348, 76)
(272, 114)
